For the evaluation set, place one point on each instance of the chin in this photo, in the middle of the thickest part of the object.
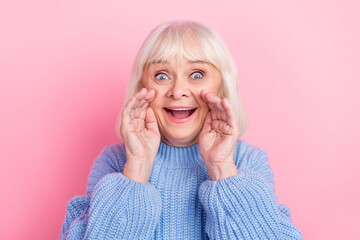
(181, 139)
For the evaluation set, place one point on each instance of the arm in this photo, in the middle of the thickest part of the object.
(120, 203)
(244, 206)
(114, 207)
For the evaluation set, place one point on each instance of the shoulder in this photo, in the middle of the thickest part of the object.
(248, 156)
(116, 154)
(111, 159)
(112, 156)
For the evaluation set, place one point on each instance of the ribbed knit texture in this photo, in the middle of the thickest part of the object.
(179, 201)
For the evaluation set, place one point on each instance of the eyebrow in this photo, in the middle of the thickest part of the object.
(191, 62)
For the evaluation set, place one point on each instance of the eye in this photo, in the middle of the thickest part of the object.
(197, 75)
(161, 76)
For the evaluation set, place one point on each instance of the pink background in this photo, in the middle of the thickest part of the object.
(64, 67)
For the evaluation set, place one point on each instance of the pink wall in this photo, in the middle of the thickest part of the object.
(63, 72)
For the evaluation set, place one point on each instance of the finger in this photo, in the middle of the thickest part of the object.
(127, 110)
(206, 96)
(138, 109)
(139, 112)
(230, 114)
(149, 96)
(214, 102)
(150, 120)
(143, 103)
(202, 94)
(207, 124)
(217, 110)
(125, 121)
(131, 105)
(141, 94)
(140, 98)
(222, 127)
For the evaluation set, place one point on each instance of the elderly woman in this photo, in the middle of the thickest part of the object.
(181, 171)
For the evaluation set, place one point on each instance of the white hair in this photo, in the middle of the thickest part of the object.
(168, 40)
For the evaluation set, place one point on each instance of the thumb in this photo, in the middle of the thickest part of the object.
(150, 120)
(207, 123)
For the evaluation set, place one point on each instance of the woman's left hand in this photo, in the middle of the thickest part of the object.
(218, 137)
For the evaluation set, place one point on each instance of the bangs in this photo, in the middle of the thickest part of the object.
(176, 46)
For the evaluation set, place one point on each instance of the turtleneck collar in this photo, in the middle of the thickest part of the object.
(178, 157)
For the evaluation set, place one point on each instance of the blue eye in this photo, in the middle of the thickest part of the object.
(197, 75)
(161, 76)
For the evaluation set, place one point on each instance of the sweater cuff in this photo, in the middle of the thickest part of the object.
(244, 178)
(245, 201)
(120, 205)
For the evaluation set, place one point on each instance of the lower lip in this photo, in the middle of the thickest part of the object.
(179, 120)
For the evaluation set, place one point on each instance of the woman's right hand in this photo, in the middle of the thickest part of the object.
(141, 136)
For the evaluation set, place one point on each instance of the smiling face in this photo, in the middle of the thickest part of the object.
(178, 106)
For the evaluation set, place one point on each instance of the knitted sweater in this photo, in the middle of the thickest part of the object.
(179, 201)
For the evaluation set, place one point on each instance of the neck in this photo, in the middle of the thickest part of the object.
(180, 142)
(179, 157)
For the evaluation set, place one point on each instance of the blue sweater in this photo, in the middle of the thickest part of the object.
(179, 201)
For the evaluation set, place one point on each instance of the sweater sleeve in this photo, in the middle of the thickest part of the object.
(244, 206)
(114, 206)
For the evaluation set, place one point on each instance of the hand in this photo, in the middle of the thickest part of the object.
(141, 136)
(218, 137)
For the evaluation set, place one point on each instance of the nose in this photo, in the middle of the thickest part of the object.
(179, 89)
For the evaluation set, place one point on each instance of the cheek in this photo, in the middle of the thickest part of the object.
(210, 88)
(155, 105)
(214, 89)
(204, 108)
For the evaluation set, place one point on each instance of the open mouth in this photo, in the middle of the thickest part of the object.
(180, 113)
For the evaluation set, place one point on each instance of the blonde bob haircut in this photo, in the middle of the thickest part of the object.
(168, 41)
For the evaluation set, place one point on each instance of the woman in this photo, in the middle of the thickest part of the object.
(181, 172)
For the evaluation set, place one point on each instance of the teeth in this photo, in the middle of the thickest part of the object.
(181, 109)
